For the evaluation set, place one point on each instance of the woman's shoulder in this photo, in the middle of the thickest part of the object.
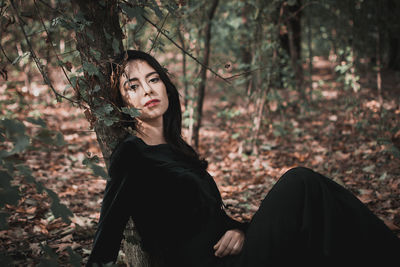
(133, 150)
(125, 151)
(129, 143)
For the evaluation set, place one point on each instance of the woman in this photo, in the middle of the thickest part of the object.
(159, 180)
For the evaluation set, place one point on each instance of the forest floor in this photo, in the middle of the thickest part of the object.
(339, 134)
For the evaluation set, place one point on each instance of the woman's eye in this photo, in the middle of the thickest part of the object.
(154, 80)
(133, 86)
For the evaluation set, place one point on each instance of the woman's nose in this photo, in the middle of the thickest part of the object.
(147, 89)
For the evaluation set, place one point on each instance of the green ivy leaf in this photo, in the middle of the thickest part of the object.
(59, 140)
(96, 54)
(58, 209)
(45, 136)
(23, 170)
(38, 121)
(90, 68)
(15, 132)
(49, 257)
(20, 144)
(103, 110)
(133, 112)
(3, 225)
(133, 12)
(50, 137)
(156, 9)
(103, 114)
(74, 258)
(12, 127)
(110, 120)
(97, 169)
(8, 194)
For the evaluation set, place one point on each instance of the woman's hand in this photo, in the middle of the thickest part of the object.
(230, 243)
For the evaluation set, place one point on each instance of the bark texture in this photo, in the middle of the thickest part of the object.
(101, 36)
(203, 72)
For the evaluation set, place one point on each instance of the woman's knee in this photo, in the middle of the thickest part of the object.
(300, 174)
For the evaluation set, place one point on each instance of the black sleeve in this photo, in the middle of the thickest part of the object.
(234, 224)
(165, 202)
(113, 214)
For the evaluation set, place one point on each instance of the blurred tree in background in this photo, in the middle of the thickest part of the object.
(257, 50)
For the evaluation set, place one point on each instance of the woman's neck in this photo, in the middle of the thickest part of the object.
(152, 133)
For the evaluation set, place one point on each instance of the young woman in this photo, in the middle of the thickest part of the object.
(160, 181)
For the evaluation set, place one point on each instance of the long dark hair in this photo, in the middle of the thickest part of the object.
(172, 118)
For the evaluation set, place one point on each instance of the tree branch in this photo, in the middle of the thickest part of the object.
(184, 51)
(54, 50)
(158, 33)
(35, 58)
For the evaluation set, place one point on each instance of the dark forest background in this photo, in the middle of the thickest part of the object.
(265, 86)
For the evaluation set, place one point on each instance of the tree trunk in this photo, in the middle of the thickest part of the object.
(185, 80)
(393, 36)
(294, 40)
(104, 22)
(245, 48)
(100, 17)
(203, 73)
(310, 54)
(378, 68)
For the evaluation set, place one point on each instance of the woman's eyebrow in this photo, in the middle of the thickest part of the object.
(136, 79)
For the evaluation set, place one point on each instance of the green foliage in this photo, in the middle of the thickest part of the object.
(228, 114)
(133, 112)
(15, 132)
(346, 70)
(103, 113)
(59, 210)
(90, 68)
(92, 163)
(9, 194)
(49, 258)
(14, 135)
(74, 258)
(133, 12)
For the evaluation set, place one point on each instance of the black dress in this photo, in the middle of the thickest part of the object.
(306, 218)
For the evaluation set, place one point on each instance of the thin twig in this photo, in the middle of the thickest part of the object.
(298, 10)
(54, 50)
(4, 52)
(158, 34)
(244, 73)
(50, 7)
(37, 62)
(183, 50)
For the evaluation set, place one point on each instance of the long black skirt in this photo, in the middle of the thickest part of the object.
(309, 220)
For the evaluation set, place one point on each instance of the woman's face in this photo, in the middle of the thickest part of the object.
(142, 88)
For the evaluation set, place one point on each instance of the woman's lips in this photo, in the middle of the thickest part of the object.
(152, 102)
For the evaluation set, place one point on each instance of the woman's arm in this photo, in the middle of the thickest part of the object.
(233, 224)
(232, 241)
(114, 214)
(113, 219)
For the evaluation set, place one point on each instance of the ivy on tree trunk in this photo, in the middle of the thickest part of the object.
(98, 42)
